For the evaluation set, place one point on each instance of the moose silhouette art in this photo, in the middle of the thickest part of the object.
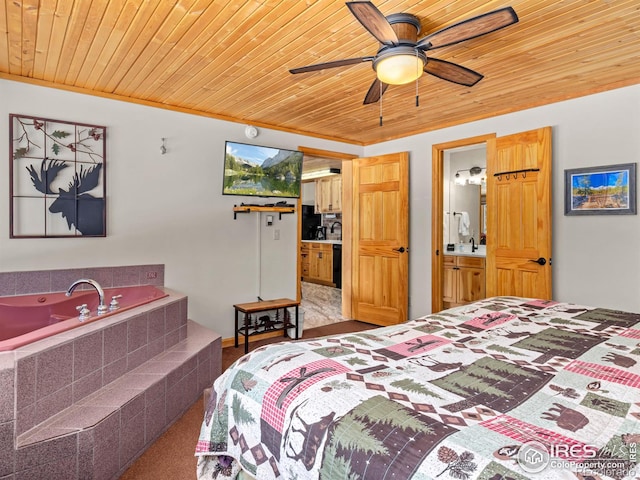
(80, 209)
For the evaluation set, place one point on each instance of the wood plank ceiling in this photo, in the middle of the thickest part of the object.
(229, 59)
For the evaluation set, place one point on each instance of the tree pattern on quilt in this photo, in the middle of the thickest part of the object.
(448, 396)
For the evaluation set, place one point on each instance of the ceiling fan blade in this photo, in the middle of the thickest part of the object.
(374, 21)
(374, 93)
(471, 28)
(452, 72)
(335, 63)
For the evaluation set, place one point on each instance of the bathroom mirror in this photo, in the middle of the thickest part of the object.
(464, 192)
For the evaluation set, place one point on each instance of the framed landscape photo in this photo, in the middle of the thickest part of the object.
(605, 190)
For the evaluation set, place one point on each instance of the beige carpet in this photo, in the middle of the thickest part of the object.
(171, 456)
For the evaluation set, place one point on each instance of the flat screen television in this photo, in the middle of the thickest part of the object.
(257, 171)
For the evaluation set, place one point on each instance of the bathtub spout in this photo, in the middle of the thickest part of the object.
(102, 308)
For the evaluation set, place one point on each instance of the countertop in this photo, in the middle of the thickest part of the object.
(339, 242)
(466, 251)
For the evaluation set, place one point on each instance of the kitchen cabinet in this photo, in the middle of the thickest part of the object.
(308, 193)
(329, 194)
(463, 280)
(317, 262)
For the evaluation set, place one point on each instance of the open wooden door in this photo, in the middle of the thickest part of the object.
(380, 239)
(519, 217)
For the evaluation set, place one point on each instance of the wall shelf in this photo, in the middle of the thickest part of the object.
(257, 208)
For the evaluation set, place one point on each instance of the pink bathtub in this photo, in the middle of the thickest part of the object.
(27, 318)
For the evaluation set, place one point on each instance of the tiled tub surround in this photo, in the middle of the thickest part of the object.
(46, 281)
(85, 403)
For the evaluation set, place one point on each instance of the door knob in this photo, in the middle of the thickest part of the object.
(540, 261)
(401, 250)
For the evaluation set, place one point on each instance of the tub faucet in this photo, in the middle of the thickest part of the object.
(102, 308)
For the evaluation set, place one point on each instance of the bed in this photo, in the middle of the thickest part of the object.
(504, 388)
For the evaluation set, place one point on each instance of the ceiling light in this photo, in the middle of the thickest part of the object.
(399, 65)
(325, 172)
(474, 176)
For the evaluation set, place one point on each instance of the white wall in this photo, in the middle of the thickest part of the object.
(596, 259)
(164, 208)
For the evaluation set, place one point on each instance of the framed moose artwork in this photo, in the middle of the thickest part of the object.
(57, 174)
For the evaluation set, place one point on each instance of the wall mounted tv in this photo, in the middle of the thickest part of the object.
(257, 171)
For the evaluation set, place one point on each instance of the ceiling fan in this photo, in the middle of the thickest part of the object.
(402, 57)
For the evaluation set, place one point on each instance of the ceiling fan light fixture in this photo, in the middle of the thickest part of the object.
(399, 65)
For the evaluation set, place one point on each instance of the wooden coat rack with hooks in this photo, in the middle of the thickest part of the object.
(515, 173)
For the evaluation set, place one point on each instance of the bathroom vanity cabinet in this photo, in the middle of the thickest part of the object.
(317, 262)
(329, 194)
(464, 280)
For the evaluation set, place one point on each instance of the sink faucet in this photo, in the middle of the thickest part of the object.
(473, 245)
(102, 308)
(333, 226)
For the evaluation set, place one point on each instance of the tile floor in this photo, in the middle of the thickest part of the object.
(321, 305)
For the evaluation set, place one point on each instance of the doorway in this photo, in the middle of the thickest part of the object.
(443, 212)
(324, 296)
(518, 256)
(375, 249)
(465, 192)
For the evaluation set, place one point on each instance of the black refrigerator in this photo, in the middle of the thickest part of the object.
(310, 222)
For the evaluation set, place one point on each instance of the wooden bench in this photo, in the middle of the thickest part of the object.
(262, 324)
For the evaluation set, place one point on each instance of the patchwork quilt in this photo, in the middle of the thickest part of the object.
(504, 388)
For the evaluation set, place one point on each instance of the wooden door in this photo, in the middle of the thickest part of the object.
(380, 260)
(449, 283)
(314, 262)
(320, 196)
(471, 284)
(305, 256)
(336, 194)
(325, 263)
(519, 215)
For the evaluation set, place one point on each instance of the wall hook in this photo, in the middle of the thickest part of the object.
(163, 148)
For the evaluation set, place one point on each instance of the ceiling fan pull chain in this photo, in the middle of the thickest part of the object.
(380, 103)
(417, 77)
